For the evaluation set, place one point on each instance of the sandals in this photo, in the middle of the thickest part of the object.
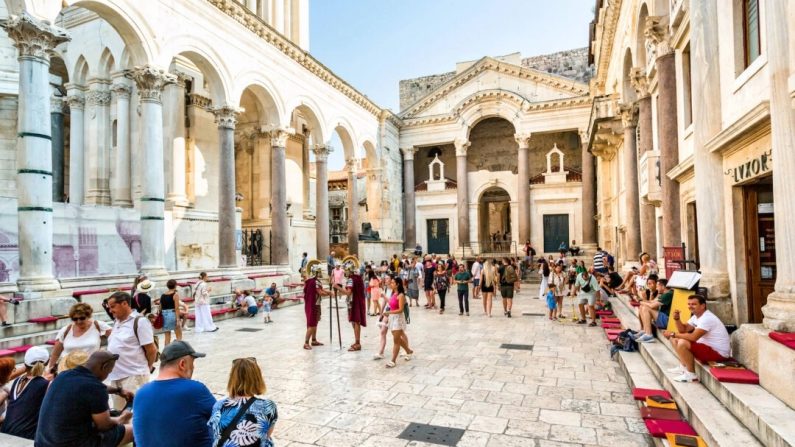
(355, 347)
(390, 364)
(593, 324)
(307, 347)
(316, 343)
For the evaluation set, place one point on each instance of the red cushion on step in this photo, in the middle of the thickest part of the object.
(659, 427)
(613, 331)
(660, 413)
(604, 312)
(21, 349)
(612, 337)
(191, 317)
(643, 393)
(79, 293)
(50, 342)
(43, 320)
(735, 375)
(610, 320)
(611, 326)
(6, 352)
(785, 338)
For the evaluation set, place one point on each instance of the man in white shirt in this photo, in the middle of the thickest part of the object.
(132, 339)
(703, 337)
(477, 269)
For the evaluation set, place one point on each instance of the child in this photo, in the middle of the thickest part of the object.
(183, 314)
(267, 301)
(552, 302)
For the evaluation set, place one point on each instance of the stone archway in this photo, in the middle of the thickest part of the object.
(494, 220)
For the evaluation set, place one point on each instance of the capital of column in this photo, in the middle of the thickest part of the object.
(97, 97)
(150, 82)
(584, 139)
(33, 38)
(657, 36)
(56, 104)
(523, 140)
(121, 90)
(461, 146)
(76, 100)
(181, 78)
(322, 152)
(629, 114)
(351, 165)
(639, 81)
(226, 116)
(280, 136)
(408, 152)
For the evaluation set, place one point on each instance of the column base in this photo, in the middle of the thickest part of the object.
(780, 312)
(588, 250)
(39, 284)
(177, 201)
(122, 203)
(716, 283)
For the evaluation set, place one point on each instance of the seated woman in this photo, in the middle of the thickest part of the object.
(83, 334)
(574, 249)
(243, 419)
(26, 395)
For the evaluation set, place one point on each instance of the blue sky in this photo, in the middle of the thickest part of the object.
(373, 44)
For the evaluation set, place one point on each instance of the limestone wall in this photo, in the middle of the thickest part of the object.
(411, 90)
(8, 146)
(572, 64)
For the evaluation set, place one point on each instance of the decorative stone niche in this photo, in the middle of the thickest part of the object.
(555, 166)
(436, 175)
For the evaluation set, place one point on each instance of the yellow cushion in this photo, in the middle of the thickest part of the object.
(671, 437)
(653, 404)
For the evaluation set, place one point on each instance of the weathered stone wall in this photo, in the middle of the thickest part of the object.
(411, 90)
(572, 64)
(8, 146)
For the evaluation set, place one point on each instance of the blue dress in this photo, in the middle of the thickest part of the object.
(252, 429)
(551, 303)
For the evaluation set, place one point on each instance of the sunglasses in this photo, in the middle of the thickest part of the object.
(76, 319)
(244, 358)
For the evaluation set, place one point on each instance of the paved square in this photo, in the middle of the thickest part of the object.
(564, 392)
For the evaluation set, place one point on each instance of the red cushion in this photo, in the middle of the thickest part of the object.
(79, 293)
(43, 320)
(21, 349)
(613, 331)
(187, 300)
(660, 413)
(611, 337)
(6, 352)
(50, 342)
(611, 326)
(604, 312)
(659, 427)
(610, 320)
(191, 317)
(735, 375)
(785, 338)
(643, 393)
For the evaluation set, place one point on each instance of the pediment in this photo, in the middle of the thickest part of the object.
(521, 84)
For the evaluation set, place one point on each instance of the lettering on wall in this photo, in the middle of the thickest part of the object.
(752, 168)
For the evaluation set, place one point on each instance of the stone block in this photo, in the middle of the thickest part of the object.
(778, 375)
(745, 344)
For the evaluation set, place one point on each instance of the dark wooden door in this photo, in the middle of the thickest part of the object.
(438, 236)
(556, 230)
(760, 239)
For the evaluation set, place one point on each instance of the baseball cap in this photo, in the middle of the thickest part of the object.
(178, 349)
(36, 354)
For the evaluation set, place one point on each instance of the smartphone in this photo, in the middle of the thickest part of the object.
(686, 441)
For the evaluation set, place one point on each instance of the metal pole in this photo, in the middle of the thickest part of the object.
(330, 320)
(339, 329)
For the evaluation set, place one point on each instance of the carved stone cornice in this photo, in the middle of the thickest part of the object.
(226, 116)
(99, 98)
(658, 38)
(121, 90)
(523, 139)
(461, 146)
(639, 81)
(33, 38)
(150, 82)
(280, 136)
(322, 152)
(629, 114)
(408, 152)
(56, 104)
(76, 101)
(606, 29)
(202, 102)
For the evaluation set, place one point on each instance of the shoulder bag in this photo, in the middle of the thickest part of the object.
(231, 427)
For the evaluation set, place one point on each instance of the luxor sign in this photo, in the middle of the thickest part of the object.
(752, 168)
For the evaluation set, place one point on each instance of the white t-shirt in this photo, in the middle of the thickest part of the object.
(250, 301)
(716, 337)
(122, 341)
(477, 268)
(88, 341)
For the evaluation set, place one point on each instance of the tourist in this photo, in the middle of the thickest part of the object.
(489, 280)
(132, 340)
(383, 328)
(650, 289)
(330, 262)
(418, 250)
(557, 283)
(477, 270)
(600, 262)
(552, 302)
(84, 334)
(571, 275)
(563, 248)
(75, 409)
(302, 268)
(267, 306)
(561, 260)
(647, 267)
(275, 295)
(655, 312)
(394, 264)
(201, 297)
(428, 269)
(507, 278)
(543, 271)
(72, 360)
(397, 323)
(610, 282)
(703, 336)
(4, 300)
(441, 282)
(574, 249)
(587, 289)
(313, 295)
(353, 289)
(375, 293)
(173, 410)
(413, 278)
(182, 318)
(250, 304)
(243, 419)
(518, 283)
(529, 253)
(26, 395)
(462, 279)
(141, 299)
(169, 307)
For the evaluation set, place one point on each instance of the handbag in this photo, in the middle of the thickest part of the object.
(229, 428)
(158, 322)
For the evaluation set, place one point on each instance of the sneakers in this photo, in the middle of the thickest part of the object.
(646, 338)
(508, 314)
(686, 376)
(679, 369)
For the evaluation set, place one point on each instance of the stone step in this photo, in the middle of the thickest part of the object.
(639, 375)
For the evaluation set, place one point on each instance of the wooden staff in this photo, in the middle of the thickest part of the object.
(337, 308)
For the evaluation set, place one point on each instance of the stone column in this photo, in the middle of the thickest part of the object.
(704, 44)
(629, 117)
(120, 186)
(524, 187)
(96, 126)
(353, 209)
(280, 229)
(780, 308)
(226, 118)
(34, 39)
(648, 222)
(589, 239)
(77, 103)
(57, 132)
(462, 190)
(409, 204)
(656, 32)
(321, 199)
(150, 82)
(175, 122)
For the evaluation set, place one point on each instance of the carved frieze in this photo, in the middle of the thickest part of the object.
(121, 90)
(202, 102)
(98, 98)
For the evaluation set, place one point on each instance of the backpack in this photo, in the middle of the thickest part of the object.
(103, 339)
(510, 275)
(625, 342)
(154, 338)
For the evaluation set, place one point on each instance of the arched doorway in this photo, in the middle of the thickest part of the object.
(494, 220)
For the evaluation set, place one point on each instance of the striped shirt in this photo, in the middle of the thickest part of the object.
(599, 260)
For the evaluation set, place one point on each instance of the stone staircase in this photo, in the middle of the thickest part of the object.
(724, 414)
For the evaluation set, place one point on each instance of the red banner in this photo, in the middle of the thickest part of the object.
(672, 255)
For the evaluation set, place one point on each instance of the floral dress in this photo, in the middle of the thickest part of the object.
(252, 429)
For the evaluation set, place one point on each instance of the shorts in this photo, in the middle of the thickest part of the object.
(586, 298)
(110, 438)
(169, 319)
(506, 291)
(704, 353)
(397, 322)
(487, 289)
(661, 321)
(252, 310)
(476, 282)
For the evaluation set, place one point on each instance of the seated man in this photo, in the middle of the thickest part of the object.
(563, 248)
(275, 295)
(703, 336)
(610, 282)
(574, 249)
(75, 409)
(655, 311)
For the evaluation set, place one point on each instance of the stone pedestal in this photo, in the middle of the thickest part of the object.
(523, 186)
(630, 158)
(321, 199)
(409, 204)
(77, 103)
(353, 209)
(226, 118)
(57, 132)
(120, 185)
(462, 191)
(150, 82)
(34, 40)
(280, 231)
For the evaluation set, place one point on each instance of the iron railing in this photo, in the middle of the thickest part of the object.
(256, 246)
